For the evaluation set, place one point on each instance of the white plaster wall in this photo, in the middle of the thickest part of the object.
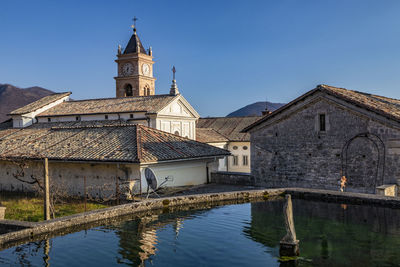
(100, 117)
(184, 173)
(221, 165)
(184, 126)
(69, 177)
(240, 152)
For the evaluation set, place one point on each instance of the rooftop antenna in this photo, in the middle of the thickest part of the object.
(266, 111)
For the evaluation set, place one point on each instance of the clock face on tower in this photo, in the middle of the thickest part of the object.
(146, 69)
(127, 69)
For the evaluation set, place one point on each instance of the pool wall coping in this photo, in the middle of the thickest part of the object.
(40, 228)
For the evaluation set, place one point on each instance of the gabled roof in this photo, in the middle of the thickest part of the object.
(149, 104)
(209, 135)
(39, 103)
(132, 44)
(114, 143)
(229, 127)
(384, 106)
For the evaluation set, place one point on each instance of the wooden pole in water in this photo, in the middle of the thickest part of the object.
(117, 190)
(46, 190)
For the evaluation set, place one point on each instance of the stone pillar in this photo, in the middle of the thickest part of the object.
(289, 245)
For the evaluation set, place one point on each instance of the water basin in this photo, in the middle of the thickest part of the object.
(330, 234)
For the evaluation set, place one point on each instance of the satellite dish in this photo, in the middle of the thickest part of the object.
(152, 181)
(150, 178)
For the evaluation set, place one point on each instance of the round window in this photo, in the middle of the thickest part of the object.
(245, 148)
(235, 147)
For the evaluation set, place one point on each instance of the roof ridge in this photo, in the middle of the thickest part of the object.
(326, 86)
(233, 117)
(91, 126)
(120, 98)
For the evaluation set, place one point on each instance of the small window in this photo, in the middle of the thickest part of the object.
(176, 133)
(128, 90)
(322, 123)
(245, 160)
(245, 148)
(235, 160)
(49, 119)
(77, 118)
(131, 116)
(106, 117)
(235, 147)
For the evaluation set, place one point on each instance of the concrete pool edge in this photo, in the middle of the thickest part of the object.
(131, 208)
(58, 224)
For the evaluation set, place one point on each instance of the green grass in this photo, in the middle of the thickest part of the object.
(31, 208)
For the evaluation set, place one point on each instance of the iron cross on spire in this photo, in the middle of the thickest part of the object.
(134, 22)
(173, 72)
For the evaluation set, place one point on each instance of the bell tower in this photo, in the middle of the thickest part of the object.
(135, 69)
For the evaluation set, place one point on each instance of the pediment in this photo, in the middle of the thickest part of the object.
(179, 108)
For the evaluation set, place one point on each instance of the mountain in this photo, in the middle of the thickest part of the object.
(255, 109)
(12, 97)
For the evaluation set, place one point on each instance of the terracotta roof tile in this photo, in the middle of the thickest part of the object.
(229, 127)
(385, 106)
(209, 135)
(39, 103)
(149, 104)
(114, 143)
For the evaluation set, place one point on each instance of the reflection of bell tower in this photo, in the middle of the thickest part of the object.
(135, 69)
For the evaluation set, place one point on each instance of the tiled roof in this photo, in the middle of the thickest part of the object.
(94, 123)
(229, 127)
(149, 104)
(387, 107)
(208, 135)
(115, 143)
(39, 103)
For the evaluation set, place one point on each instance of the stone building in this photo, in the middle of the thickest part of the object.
(225, 132)
(324, 134)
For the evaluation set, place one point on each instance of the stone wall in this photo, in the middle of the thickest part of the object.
(234, 178)
(290, 151)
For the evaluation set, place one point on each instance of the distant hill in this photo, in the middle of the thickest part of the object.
(12, 97)
(255, 109)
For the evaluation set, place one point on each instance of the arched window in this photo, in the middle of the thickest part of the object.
(146, 90)
(128, 90)
(176, 133)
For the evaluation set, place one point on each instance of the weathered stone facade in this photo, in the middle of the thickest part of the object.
(289, 150)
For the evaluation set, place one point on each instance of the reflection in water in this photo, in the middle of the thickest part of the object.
(234, 235)
(332, 234)
(46, 249)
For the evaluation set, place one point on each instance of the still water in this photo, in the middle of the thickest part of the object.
(248, 234)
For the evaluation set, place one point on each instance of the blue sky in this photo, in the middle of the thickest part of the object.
(227, 53)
